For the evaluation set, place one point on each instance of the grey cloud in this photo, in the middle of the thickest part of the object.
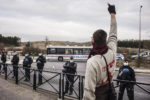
(74, 19)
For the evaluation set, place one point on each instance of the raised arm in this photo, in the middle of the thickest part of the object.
(112, 39)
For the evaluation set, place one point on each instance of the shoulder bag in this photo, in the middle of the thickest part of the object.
(112, 95)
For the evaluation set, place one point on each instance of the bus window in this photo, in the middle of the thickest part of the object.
(78, 51)
(48, 50)
(60, 50)
(52, 51)
(86, 51)
(146, 53)
(69, 51)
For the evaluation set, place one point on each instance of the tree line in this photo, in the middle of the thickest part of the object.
(10, 40)
(134, 43)
(16, 41)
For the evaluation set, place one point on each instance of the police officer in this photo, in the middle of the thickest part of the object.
(3, 59)
(27, 65)
(40, 65)
(69, 68)
(0, 65)
(126, 73)
(15, 61)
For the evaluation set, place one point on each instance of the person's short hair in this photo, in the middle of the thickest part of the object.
(71, 58)
(99, 37)
(126, 59)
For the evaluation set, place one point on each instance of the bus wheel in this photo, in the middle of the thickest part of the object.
(60, 58)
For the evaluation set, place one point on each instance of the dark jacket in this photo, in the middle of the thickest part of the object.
(15, 60)
(27, 61)
(70, 67)
(3, 58)
(126, 75)
(40, 61)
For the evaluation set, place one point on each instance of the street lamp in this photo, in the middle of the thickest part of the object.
(140, 30)
(139, 36)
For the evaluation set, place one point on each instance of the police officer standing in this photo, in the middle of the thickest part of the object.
(3, 59)
(27, 65)
(40, 65)
(0, 65)
(70, 68)
(15, 61)
(126, 73)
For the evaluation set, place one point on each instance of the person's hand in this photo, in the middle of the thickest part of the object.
(117, 83)
(111, 9)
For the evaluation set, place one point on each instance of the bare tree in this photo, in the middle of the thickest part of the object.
(146, 44)
(46, 41)
(1, 46)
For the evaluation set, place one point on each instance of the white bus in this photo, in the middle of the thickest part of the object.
(62, 53)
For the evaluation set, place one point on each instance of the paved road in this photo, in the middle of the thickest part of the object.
(7, 94)
(57, 66)
(11, 91)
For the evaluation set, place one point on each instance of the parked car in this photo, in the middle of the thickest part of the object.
(143, 54)
(134, 56)
(119, 56)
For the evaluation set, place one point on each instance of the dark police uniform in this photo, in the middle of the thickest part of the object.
(15, 61)
(69, 68)
(40, 65)
(126, 73)
(3, 59)
(0, 65)
(27, 65)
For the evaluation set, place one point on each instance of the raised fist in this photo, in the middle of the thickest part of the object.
(111, 9)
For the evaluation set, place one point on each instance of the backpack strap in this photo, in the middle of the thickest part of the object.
(107, 72)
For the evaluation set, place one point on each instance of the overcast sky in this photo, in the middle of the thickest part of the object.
(71, 20)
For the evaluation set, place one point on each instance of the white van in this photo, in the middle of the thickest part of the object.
(145, 54)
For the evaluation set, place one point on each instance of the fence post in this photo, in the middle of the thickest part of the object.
(82, 87)
(62, 86)
(5, 70)
(79, 84)
(16, 73)
(60, 91)
(34, 80)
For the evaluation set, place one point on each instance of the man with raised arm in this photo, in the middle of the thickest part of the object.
(96, 80)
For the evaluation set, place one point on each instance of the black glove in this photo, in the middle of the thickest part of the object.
(111, 9)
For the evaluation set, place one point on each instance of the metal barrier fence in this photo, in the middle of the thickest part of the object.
(51, 80)
(135, 83)
(74, 84)
(54, 81)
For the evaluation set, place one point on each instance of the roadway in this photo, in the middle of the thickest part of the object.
(57, 67)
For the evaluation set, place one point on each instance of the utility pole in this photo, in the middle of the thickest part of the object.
(140, 29)
(46, 41)
(139, 36)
